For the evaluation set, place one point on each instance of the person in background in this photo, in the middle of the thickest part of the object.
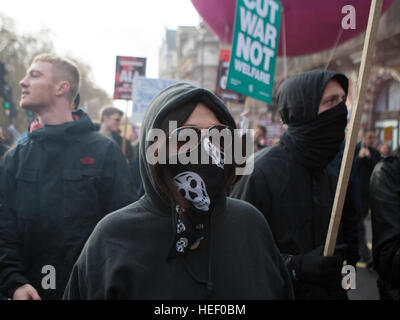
(366, 157)
(259, 137)
(111, 118)
(385, 218)
(110, 121)
(54, 186)
(184, 239)
(385, 150)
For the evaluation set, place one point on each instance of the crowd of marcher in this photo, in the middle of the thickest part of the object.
(84, 214)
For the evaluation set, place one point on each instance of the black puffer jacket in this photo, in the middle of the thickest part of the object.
(126, 257)
(55, 187)
(385, 205)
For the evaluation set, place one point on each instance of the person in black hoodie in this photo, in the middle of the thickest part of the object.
(184, 239)
(385, 218)
(54, 186)
(293, 186)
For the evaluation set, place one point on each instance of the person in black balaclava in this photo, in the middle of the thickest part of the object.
(184, 239)
(293, 186)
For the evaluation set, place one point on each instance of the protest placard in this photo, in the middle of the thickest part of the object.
(254, 48)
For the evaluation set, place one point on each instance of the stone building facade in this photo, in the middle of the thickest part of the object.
(192, 53)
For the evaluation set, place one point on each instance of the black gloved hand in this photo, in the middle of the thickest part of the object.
(312, 267)
(351, 255)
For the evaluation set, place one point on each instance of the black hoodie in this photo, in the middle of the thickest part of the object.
(293, 193)
(126, 257)
(54, 187)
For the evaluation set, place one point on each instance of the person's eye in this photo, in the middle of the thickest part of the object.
(335, 101)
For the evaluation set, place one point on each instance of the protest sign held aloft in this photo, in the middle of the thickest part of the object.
(254, 48)
(126, 69)
(221, 91)
(143, 92)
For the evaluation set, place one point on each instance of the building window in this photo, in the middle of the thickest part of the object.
(381, 102)
(389, 97)
(394, 96)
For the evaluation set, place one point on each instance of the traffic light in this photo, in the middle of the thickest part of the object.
(7, 104)
(3, 88)
(6, 94)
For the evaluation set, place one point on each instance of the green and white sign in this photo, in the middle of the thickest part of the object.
(254, 48)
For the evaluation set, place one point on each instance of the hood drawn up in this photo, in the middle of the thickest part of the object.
(299, 97)
(172, 98)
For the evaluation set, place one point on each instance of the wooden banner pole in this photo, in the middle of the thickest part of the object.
(247, 103)
(351, 139)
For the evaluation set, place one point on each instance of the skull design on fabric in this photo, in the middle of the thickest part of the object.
(193, 188)
(181, 244)
(214, 152)
(180, 227)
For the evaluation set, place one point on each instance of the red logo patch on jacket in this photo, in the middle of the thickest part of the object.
(87, 160)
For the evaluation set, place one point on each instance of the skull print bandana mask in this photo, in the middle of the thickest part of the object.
(201, 184)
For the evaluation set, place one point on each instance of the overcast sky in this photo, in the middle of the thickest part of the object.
(97, 31)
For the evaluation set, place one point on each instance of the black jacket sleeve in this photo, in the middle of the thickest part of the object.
(117, 189)
(385, 204)
(12, 274)
(368, 162)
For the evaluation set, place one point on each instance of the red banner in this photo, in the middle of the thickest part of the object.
(126, 69)
(221, 91)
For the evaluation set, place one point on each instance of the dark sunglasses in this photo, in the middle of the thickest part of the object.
(191, 136)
